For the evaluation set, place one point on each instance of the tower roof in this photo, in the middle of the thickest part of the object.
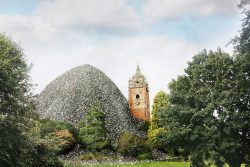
(138, 79)
(138, 70)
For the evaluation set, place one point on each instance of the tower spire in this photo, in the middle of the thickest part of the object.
(138, 70)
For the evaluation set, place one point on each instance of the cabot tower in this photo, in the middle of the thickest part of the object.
(139, 96)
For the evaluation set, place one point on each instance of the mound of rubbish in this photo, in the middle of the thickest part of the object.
(70, 96)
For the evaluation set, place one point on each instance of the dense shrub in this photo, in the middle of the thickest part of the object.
(38, 156)
(96, 156)
(60, 137)
(145, 156)
(131, 145)
(156, 138)
(144, 126)
(49, 126)
(60, 142)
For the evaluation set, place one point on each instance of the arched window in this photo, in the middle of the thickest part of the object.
(137, 97)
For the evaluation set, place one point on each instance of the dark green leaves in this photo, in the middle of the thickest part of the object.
(209, 109)
(92, 132)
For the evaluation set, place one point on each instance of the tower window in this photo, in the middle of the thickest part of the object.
(137, 97)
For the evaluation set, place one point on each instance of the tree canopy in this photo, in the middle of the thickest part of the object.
(155, 132)
(19, 144)
(14, 79)
(160, 101)
(92, 131)
(209, 112)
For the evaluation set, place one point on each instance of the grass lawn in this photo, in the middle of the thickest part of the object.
(143, 164)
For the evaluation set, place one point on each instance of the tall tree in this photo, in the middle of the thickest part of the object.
(14, 79)
(17, 117)
(155, 132)
(160, 101)
(13, 100)
(93, 133)
(209, 114)
(242, 50)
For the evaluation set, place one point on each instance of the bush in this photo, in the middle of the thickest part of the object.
(40, 156)
(145, 156)
(49, 126)
(131, 145)
(96, 156)
(144, 126)
(156, 139)
(61, 142)
(17, 149)
(60, 137)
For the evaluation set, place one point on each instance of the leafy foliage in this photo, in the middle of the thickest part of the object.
(14, 82)
(10, 138)
(143, 126)
(131, 145)
(97, 156)
(39, 156)
(155, 133)
(60, 137)
(160, 101)
(241, 42)
(49, 126)
(60, 142)
(19, 139)
(209, 112)
(92, 131)
(156, 138)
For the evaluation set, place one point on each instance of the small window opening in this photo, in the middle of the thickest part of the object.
(137, 96)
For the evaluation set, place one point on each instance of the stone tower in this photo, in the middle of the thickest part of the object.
(139, 96)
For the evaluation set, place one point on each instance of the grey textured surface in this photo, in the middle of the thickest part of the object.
(70, 95)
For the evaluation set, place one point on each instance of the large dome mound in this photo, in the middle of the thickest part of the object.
(69, 97)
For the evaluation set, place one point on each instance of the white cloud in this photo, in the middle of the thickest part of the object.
(61, 34)
(156, 10)
(98, 14)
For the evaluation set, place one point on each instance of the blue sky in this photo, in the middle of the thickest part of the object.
(113, 35)
(17, 7)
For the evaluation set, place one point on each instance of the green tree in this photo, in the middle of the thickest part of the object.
(92, 131)
(242, 49)
(160, 101)
(19, 145)
(209, 112)
(14, 82)
(241, 42)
